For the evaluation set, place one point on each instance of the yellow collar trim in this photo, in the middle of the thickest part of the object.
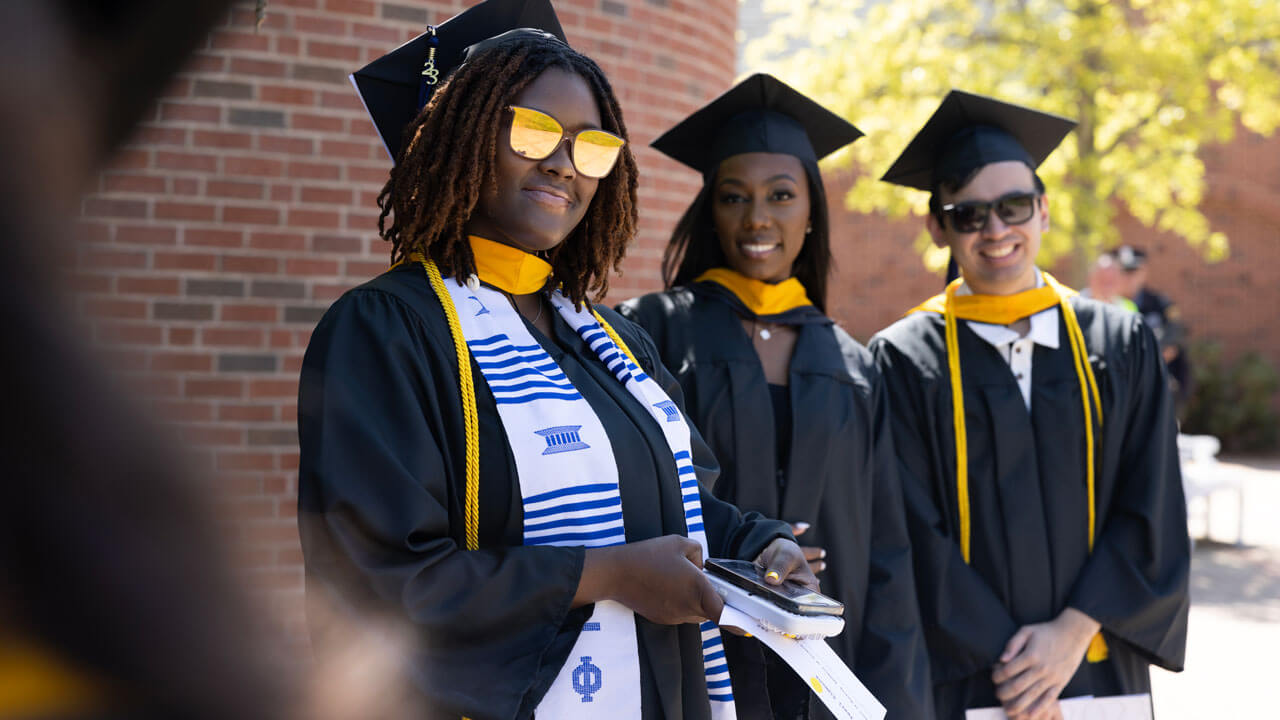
(996, 309)
(509, 269)
(760, 297)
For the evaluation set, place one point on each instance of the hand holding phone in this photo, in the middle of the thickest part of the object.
(787, 607)
(790, 596)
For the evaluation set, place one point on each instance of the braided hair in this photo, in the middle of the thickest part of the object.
(448, 156)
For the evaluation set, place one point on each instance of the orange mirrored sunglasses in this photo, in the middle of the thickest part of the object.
(536, 135)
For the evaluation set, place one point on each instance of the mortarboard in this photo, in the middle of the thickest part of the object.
(759, 114)
(969, 131)
(396, 86)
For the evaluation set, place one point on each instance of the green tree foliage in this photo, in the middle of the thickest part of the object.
(1233, 400)
(1149, 81)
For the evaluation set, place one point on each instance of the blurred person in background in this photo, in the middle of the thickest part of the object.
(1163, 317)
(118, 600)
(1106, 283)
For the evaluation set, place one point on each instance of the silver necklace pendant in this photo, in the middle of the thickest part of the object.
(765, 334)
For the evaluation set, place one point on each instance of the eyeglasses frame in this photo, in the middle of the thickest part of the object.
(564, 135)
(949, 209)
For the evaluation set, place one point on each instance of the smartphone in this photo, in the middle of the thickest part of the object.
(790, 596)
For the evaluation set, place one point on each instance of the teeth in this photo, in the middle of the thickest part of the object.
(757, 248)
(998, 252)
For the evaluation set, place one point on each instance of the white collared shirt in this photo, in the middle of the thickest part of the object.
(1015, 347)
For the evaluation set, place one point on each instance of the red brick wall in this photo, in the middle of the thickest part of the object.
(246, 203)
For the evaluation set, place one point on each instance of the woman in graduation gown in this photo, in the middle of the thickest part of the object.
(790, 404)
(498, 468)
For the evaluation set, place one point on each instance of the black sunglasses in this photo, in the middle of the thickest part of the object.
(1013, 209)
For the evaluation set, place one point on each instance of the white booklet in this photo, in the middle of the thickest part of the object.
(1116, 707)
(813, 660)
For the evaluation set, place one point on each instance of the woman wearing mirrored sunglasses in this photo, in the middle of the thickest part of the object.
(492, 460)
(790, 404)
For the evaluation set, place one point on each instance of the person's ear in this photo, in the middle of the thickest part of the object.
(938, 232)
(1043, 204)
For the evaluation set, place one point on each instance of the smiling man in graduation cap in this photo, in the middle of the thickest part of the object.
(789, 402)
(1036, 443)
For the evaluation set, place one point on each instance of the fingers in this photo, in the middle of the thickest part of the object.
(784, 560)
(1004, 673)
(1015, 646)
(804, 575)
(816, 557)
(798, 528)
(1020, 693)
(766, 561)
(710, 601)
(691, 549)
(1046, 706)
(1009, 690)
(780, 559)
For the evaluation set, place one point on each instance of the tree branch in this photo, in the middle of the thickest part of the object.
(1131, 132)
(987, 37)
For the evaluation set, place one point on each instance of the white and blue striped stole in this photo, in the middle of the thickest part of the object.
(569, 488)
(644, 389)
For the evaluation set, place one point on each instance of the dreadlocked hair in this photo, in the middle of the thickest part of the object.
(448, 155)
(695, 249)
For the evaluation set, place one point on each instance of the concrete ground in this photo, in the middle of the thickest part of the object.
(1233, 640)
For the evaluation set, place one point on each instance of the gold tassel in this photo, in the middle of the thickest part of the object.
(1097, 649)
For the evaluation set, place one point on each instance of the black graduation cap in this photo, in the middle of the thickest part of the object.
(759, 114)
(394, 87)
(968, 131)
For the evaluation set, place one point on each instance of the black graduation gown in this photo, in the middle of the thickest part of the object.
(1029, 502)
(381, 486)
(841, 477)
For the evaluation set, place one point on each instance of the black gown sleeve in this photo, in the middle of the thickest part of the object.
(966, 624)
(730, 532)
(891, 657)
(1136, 581)
(379, 499)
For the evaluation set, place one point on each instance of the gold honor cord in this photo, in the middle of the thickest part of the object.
(613, 335)
(467, 388)
(957, 419)
(1097, 651)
